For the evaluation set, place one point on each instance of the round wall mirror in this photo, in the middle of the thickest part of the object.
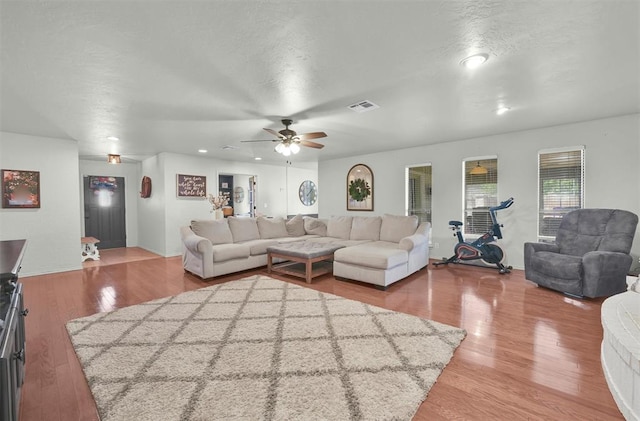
(308, 193)
(238, 194)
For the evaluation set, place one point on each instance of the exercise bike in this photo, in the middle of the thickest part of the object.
(481, 249)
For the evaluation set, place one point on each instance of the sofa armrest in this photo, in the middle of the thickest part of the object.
(605, 273)
(194, 243)
(424, 229)
(536, 247)
(413, 241)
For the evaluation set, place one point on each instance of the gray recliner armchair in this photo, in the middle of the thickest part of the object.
(590, 257)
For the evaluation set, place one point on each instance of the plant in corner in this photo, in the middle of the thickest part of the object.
(359, 189)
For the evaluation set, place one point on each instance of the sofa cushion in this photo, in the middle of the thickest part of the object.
(271, 227)
(339, 227)
(295, 226)
(216, 231)
(365, 228)
(556, 265)
(314, 226)
(373, 257)
(258, 247)
(395, 227)
(243, 229)
(224, 252)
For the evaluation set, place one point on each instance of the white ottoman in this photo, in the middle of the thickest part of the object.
(620, 354)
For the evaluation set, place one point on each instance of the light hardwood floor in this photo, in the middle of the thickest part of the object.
(529, 354)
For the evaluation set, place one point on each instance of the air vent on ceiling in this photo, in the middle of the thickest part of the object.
(362, 106)
(229, 148)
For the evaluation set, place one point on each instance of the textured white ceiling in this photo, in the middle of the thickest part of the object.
(178, 76)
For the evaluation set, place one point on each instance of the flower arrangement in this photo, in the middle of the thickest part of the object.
(217, 202)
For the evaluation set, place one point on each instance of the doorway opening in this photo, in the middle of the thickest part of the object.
(104, 210)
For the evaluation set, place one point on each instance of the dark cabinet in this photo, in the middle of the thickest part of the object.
(12, 332)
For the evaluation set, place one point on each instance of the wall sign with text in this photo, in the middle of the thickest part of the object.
(191, 185)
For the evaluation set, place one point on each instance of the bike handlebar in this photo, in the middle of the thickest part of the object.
(503, 205)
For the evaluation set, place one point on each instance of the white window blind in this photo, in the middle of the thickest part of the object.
(480, 193)
(560, 187)
(419, 192)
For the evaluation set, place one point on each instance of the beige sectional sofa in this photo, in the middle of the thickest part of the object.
(379, 250)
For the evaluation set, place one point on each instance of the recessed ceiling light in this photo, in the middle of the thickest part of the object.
(257, 158)
(113, 138)
(502, 110)
(202, 150)
(475, 60)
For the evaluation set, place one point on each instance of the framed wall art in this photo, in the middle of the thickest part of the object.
(191, 185)
(360, 188)
(20, 189)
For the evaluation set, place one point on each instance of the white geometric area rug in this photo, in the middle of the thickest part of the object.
(260, 349)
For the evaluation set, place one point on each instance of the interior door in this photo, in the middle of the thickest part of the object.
(104, 210)
(225, 187)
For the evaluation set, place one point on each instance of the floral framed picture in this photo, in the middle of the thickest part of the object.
(360, 188)
(20, 189)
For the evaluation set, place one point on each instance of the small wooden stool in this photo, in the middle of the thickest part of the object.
(89, 248)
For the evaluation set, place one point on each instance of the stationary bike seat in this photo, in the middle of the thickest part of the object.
(455, 223)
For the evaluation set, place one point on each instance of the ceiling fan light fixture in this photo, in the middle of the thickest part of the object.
(478, 170)
(286, 151)
(294, 148)
(475, 60)
(279, 147)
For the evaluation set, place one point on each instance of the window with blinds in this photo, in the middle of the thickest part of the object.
(419, 192)
(560, 187)
(480, 193)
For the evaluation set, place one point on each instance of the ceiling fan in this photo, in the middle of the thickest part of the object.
(289, 141)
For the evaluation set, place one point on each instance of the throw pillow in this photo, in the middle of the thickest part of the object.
(339, 227)
(271, 227)
(295, 226)
(365, 228)
(216, 231)
(315, 226)
(243, 229)
(395, 227)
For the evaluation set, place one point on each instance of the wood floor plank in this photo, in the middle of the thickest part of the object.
(530, 353)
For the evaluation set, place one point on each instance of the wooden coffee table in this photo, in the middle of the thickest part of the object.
(300, 257)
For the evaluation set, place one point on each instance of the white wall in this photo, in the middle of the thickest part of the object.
(52, 231)
(132, 180)
(295, 177)
(611, 165)
(151, 211)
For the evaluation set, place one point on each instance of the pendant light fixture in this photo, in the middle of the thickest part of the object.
(478, 170)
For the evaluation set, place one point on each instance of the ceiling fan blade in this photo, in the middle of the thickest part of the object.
(314, 135)
(311, 144)
(261, 140)
(276, 134)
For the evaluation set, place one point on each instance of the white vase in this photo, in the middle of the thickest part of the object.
(218, 214)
